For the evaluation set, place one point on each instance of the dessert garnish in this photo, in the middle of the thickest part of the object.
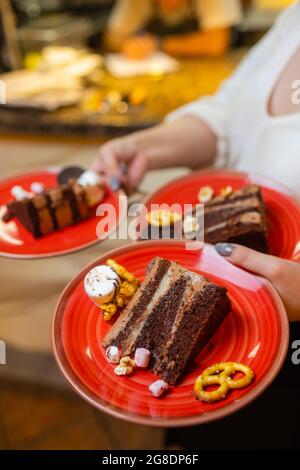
(89, 178)
(102, 284)
(37, 188)
(205, 194)
(125, 367)
(69, 173)
(19, 193)
(113, 355)
(226, 191)
(110, 287)
(222, 375)
(163, 218)
(142, 357)
(158, 388)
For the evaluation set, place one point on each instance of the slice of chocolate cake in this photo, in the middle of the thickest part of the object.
(173, 314)
(56, 208)
(239, 217)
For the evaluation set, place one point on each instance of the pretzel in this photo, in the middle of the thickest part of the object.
(123, 273)
(221, 374)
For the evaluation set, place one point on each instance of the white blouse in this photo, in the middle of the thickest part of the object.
(249, 138)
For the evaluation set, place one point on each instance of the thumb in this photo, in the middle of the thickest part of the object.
(251, 260)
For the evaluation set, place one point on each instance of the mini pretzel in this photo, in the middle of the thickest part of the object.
(221, 374)
(123, 273)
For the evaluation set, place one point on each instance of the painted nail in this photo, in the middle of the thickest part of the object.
(224, 249)
(123, 168)
(115, 183)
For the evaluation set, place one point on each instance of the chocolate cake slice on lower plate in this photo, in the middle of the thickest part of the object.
(174, 314)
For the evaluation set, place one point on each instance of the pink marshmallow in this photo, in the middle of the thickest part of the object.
(158, 388)
(142, 357)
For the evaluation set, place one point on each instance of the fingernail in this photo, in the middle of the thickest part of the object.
(123, 168)
(115, 183)
(224, 249)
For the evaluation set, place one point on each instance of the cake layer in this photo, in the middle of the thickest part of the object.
(174, 314)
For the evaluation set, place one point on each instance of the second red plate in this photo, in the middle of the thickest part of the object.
(283, 209)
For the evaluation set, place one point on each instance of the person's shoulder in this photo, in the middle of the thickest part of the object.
(288, 17)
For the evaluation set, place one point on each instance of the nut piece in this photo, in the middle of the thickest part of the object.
(113, 355)
(226, 191)
(109, 311)
(125, 367)
(142, 357)
(205, 194)
(158, 388)
(122, 272)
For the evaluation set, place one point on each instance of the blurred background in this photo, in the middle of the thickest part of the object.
(77, 73)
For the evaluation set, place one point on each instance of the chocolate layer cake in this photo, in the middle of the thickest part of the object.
(174, 314)
(239, 217)
(56, 208)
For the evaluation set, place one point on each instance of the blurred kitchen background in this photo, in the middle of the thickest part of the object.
(79, 72)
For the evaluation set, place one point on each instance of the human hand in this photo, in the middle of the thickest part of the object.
(283, 274)
(117, 154)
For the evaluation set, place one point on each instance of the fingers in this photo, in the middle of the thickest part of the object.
(110, 158)
(136, 171)
(259, 263)
(107, 162)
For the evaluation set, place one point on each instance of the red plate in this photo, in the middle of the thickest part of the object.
(283, 208)
(256, 333)
(16, 242)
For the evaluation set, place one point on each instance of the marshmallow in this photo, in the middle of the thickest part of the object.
(19, 193)
(101, 284)
(89, 178)
(113, 355)
(158, 388)
(142, 357)
(37, 188)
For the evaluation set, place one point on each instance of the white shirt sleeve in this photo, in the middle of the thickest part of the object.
(215, 110)
(218, 13)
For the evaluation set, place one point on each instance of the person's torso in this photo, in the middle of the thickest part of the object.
(264, 128)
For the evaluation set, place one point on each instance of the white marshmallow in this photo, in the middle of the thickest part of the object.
(37, 188)
(142, 357)
(113, 355)
(158, 388)
(19, 193)
(101, 284)
(89, 178)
